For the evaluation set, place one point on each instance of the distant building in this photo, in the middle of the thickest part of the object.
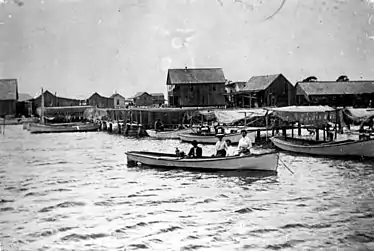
(144, 99)
(8, 96)
(119, 100)
(100, 101)
(158, 98)
(196, 87)
(332, 93)
(52, 100)
(261, 91)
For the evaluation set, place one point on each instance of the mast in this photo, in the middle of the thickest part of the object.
(42, 108)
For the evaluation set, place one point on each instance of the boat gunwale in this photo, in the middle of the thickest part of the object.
(161, 156)
(280, 140)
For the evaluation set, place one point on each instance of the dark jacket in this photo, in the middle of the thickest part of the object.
(199, 152)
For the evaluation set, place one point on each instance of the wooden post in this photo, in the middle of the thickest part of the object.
(324, 133)
(336, 124)
(299, 129)
(4, 125)
(317, 134)
(42, 108)
(292, 132)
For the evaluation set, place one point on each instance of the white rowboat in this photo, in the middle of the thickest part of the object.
(167, 134)
(69, 127)
(353, 148)
(259, 162)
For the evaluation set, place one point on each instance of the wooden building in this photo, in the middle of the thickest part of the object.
(51, 100)
(336, 93)
(261, 91)
(119, 100)
(143, 99)
(8, 96)
(100, 101)
(196, 87)
(158, 98)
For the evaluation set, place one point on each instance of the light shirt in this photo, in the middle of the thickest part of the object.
(231, 151)
(245, 142)
(220, 145)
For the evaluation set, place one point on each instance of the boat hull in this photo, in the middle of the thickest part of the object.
(212, 139)
(40, 128)
(258, 162)
(174, 134)
(352, 148)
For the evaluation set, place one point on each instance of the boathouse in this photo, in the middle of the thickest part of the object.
(8, 96)
(196, 87)
(119, 100)
(261, 91)
(336, 93)
(100, 101)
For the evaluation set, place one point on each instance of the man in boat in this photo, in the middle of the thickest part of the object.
(221, 146)
(195, 151)
(245, 144)
(158, 125)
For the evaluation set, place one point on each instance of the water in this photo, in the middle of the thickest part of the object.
(74, 192)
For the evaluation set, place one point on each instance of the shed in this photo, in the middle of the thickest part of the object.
(8, 96)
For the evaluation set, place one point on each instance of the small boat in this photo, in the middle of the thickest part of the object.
(259, 162)
(166, 134)
(212, 139)
(70, 127)
(353, 148)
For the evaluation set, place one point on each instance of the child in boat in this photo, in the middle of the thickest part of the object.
(245, 144)
(231, 150)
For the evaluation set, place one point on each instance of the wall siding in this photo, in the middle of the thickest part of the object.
(8, 107)
(197, 95)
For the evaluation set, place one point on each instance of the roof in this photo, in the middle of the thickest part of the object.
(259, 83)
(196, 76)
(335, 88)
(138, 94)
(8, 89)
(99, 96)
(117, 94)
(24, 97)
(156, 94)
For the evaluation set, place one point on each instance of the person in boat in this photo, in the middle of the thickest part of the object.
(221, 146)
(158, 125)
(195, 151)
(245, 144)
(231, 150)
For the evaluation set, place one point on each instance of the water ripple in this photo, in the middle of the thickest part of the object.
(74, 192)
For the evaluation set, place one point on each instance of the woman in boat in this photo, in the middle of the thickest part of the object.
(231, 150)
(245, 144)
(195, 151)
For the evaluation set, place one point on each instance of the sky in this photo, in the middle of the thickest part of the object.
(78, 47)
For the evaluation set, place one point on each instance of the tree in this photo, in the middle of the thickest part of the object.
(310, 79)
(342, 78)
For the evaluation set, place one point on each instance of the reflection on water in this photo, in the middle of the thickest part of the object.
(74, 192)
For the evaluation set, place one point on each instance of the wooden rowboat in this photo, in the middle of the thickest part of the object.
(74, 127)
(260, 162)
(167, 134)
(352, 148)
(212, 139)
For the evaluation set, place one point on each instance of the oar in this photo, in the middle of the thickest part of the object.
(284, 164)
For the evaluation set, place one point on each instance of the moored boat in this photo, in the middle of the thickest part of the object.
(211, 138)
(259, 162)
(46, 128)
(354, 148)
(166, 134)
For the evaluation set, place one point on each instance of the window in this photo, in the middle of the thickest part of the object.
(214, 88)
(191, 88)
(117, 101)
